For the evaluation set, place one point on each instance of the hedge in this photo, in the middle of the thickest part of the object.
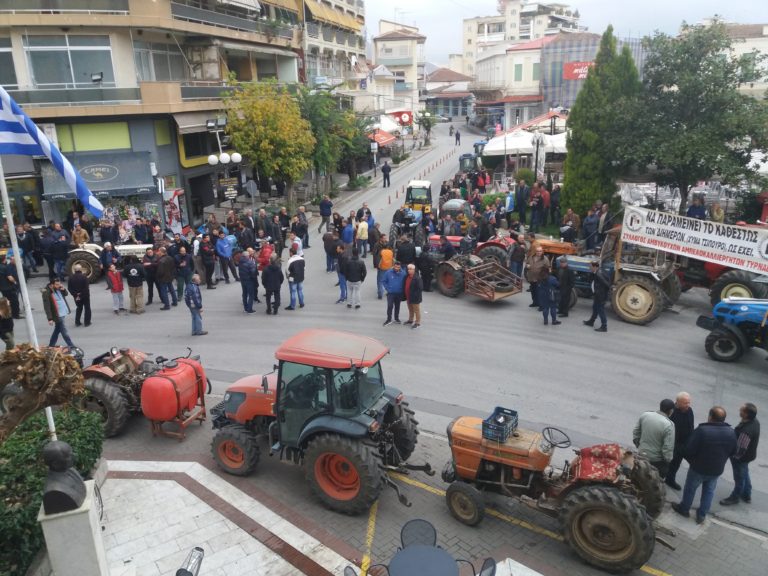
(22, 478)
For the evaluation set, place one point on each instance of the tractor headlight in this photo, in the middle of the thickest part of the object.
(232, 401)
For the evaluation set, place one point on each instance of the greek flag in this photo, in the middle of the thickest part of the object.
(19, 135)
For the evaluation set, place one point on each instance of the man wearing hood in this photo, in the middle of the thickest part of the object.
(295, 278)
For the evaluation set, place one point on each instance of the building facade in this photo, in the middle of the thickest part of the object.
(129, 90)
(400, 49)
(748, 38)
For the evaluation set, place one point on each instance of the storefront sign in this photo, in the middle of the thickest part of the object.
(229, 186)
(576, 70)
(99, 173)
(734, 246)
(173, 210)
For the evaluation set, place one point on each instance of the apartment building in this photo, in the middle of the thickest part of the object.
(746, 39)
(129, 89)
(400, 49)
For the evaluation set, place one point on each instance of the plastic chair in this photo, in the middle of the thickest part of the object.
(472, 566)
(349, 571)
(418, 531)
(488, 568)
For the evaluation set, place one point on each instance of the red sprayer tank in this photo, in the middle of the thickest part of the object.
(176, 393)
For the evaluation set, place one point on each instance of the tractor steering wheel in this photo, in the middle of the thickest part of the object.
(555, 437)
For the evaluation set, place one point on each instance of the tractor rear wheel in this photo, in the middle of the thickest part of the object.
(235, 450)
(89, 262)
(649, 486)
(672, 288)
(450, 282)
(465, 503)
(638, 299)
(343, 473)
(573, 299)
(419, 238)
(405, 433)
(105, 397)
(394, 235)
(494, 254)
(736, 284)
(607, 528)
(723, 345)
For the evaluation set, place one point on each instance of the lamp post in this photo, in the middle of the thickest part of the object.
(538, 140)
(217, 126)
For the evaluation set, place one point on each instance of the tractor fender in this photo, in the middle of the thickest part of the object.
(333, 425)
(452, 263)
(735, 330)
(391, 394)
(99, 372)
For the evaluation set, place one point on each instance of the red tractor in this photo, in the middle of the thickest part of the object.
(605, 498)
(722, 281)
(327, 408)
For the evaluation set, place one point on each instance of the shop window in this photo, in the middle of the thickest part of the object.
(98, 137)
(518, 72)
(162, 133)
(69, 61)
(536, 71)
(7, 71)
(199, 144)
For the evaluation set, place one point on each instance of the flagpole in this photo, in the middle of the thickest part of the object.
(18, 260)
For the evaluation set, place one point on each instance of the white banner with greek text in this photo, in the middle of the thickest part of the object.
(734, 246)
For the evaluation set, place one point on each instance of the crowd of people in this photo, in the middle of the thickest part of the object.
(667, 436)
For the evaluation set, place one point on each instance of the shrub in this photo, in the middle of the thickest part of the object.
(525, 174)
(489, 199)
(22, 478)
(359, 182)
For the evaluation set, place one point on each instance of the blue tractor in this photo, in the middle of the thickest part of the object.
(737, 324)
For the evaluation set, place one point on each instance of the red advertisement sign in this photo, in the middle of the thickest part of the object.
(576, 70)
(404, 117)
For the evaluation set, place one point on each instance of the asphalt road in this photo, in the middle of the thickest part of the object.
(469, 356)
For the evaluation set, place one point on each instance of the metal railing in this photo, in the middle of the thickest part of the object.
(313, 30)
(64, 6)
(76, 96)
(191, 11)
(204, 90)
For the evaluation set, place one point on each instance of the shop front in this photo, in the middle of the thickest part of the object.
(24, 190)
(122, 182)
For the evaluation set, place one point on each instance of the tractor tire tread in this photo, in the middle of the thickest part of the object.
(114, 402)
(736, 277)
(248, 443)
(649, 485)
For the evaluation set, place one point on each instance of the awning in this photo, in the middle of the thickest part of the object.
(255, 49)
(287, 4)
(330, 16)
(107, 174)
(191, 122)
(247, 4)
(382, 138)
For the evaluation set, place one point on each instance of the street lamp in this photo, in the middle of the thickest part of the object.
(538, 140)
(217, 126)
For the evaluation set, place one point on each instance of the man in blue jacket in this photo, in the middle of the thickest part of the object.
(326, 209)
(224, 252)
(194, 301)
(393, 282)
(710, 447)
(249, 279)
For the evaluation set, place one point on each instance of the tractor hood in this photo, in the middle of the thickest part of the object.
(249, 384)
(736, 310)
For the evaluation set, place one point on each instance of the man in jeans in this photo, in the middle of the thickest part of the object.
(295, 278)
(710, 447)
(383, 259)
(747, 436)
(354, 273)
(413, 289)
(56, 310)
(394, 283)
(194, 301)
(326, 209)
(682, 418)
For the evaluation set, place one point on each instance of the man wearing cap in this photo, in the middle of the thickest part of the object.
(601, 288)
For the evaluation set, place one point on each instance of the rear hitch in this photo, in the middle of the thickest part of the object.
(401, 497)
(426, 468)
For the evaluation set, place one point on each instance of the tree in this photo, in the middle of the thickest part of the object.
(265, 122)
(321, 109)
(355, 144)
(698, 123)
(426, 122)
(600, 124)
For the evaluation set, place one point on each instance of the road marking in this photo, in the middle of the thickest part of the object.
(366, 563)
(509, 519)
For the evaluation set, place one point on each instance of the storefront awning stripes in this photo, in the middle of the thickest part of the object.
(382, 138)
(247, 4)
(192, 122)
(292, 5)
(330, 16)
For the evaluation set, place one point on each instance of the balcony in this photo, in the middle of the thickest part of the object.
(76, 96)
(204, 90)
(192, 12)
(404, 86)
(64, 7)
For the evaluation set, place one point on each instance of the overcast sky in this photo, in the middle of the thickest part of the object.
(440, 20)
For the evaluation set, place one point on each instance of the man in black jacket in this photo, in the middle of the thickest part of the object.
(601, 288)
(413, 293)
(134, 276)
(566, 278)
(80, 289)
(385, 171)
(150, 269)
(295, 278)
(272, 278)
(682, 418)
(9, 285)
(406, 251)
(354, 273)
(710, 447)
(747, 437)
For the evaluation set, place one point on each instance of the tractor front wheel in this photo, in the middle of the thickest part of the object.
(465, 503)
(638, 299)
(494, 254)
(650, 488)
(723, 345)
(343, 473)
(607, 528)
(450, 282)
(105, 397)
(235, 450)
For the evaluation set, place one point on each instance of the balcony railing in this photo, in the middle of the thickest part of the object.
(204, 91)
(64, 6)
(76, 96)
(313, 30)
(403, 86)
(192, 12)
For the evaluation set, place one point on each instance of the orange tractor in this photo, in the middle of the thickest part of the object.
(328, 409)
(605, 499)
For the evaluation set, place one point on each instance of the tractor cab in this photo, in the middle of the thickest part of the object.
(467, 163)
(418, 197)
(479, 146)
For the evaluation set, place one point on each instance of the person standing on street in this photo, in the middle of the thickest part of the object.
(413, 289)
(166, 272)
(80, 289)
(134, 276)
(330, 238)
(326, 209)
(249, 278)
(194, 300)
(601, 289)
(184, 270)
(6, 324)
(361, 236)
(710, 447)
(354, 274)
(393, 281)
(56, 310)
(150, 269)
(567, 280)
(272, 279)
(115, 284)
(295, 278)
(385, 172)
(457, 138)
(9, 285)
(549, 295)
(208, 255)
(303, 227)
(522, 195)
(224, 252)
(537, 273)
(682, 418)
(747, 437)
(654, 436)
